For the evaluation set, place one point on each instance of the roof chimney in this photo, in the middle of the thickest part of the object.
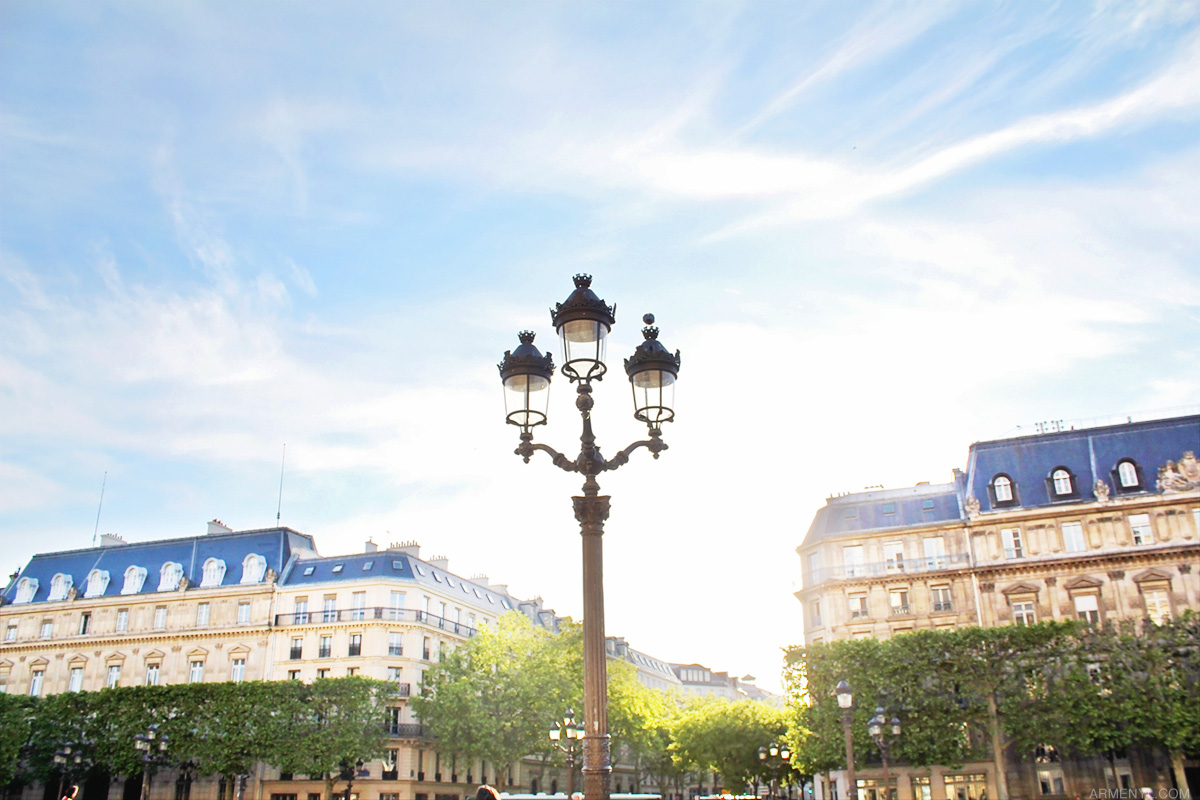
(111, 540)
(371, 547)
(216, 528)
(441, 562)
(411, 548)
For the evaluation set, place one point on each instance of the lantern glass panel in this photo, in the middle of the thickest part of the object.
(653, 396)
(583, 347)
(526, 399)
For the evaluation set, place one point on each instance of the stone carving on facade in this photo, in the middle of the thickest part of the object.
(987, 587)
(1180, 476)
(1116, 575)
(972, 506)
(1185, 569)
(1051, 581)
(1102, 491)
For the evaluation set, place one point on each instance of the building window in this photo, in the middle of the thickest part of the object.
(213, 573)
(328, 612)
(1062, 482)
(35, 683)
(1127, 475)
(1002, 490)
(814, 614)
(852, 557)
(395, 643)
(152, 674)
(196, 672)
(26, 589)
(326, 648)
(243, 616)
(160, 617)
(935, 553)
(202, 615)
(1024, 613)
(358, 606)
(97, 583)
(301, 611)
(135, 577)
(1050, 780)
(393, 674)
(1072, 533)
(355, 645)
(1012, 543)
(297, 649)
(425, 648)
(898, 602)
(114, 675)
(323, 673)
(1158, 605)
(397, 606)
(76, 682)
(123, 619)
(1087, 608)
(941, 599)
(858, 606)
(238, 671)
(10, 633)
(293, 674)
(338, 568)
(47, 629)
(893, 556)
(169, 576)
(85, 622)
(814, 565)
(1139, 524)
(254, 567)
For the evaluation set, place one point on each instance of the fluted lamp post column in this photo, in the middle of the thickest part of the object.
(583, 323)
(845, 698)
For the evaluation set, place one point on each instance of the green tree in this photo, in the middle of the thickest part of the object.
(17, 715)
(724, 736)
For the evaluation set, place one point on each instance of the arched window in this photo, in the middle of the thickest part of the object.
(26, 589)
(169, 576)
(1002, 489)
(60, 584)
(1127, 475)
(253, 568)
(135, 577)
(213, 572)
(97, 583)
(1063, 485)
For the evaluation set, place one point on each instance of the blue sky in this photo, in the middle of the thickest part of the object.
(878, 232)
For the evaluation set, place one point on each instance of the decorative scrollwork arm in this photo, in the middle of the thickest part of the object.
(527, 448)
(654, 444)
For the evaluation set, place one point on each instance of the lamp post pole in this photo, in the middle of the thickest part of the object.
(845, 698)
(583, 322)
(878, 726)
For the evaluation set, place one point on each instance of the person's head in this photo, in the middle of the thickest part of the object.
(486, 792)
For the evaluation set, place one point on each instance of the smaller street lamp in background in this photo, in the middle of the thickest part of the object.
(774, 756)
(349, 773)
(567, 729)
(152, 747)
(845, 698)
(884, 733)
(68, 759)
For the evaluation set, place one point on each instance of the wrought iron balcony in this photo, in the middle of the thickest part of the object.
(943, 606)
(376, 613)
(879, 569)
(407, 730)
(901, 610)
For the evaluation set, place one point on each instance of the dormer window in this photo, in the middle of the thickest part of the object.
(97, 583)
(60, 584)
(169, 576)
(1128, 476)
(26, 589)
(213, 573)
(134, 578)
(1062, 482)
(254, 567)
(1003, 490)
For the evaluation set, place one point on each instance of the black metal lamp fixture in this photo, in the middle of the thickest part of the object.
(152, 746)
(845, 700)
(883, 733)
(774, 756)
(567, 729)
(583, 322)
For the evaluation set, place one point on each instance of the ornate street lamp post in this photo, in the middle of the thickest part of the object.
(68, 759)
(567, 729)
(583, 322)
(774, 756)
(152, 746)
(878, 727)
(845, 698)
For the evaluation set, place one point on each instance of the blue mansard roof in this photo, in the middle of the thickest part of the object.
(276, 546)
(1088, 455)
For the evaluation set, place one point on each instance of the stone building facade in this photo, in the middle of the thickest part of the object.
(1099, 523)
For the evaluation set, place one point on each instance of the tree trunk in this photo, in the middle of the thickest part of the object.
(1177, 769)
(997, 747)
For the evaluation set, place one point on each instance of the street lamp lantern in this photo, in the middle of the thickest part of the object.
(774, 756)
(574, 734)
(883, 733)
(652, 371)
(895, 726)
(583, 321)
(845, 697)
(875, 723)
(526, 374)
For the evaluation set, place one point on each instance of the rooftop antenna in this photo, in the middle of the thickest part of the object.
(97, 528)
(279, 508)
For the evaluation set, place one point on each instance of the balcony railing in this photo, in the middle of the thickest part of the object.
(377, 613)
(407, 730)
(875, 569)
(943, 606)
(858, 613)
(901, 610)
(403, 690)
